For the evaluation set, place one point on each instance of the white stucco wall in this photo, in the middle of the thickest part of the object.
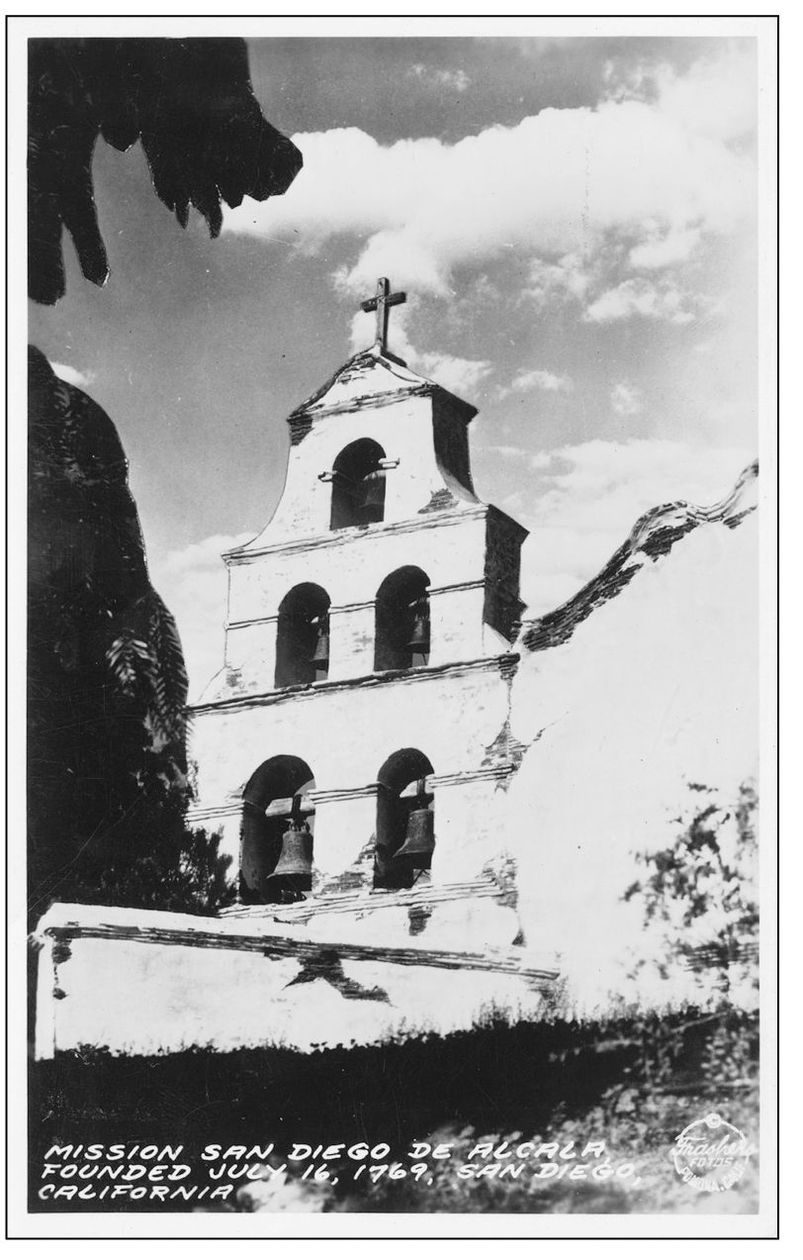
(135, 995)
(345, 734)
(656, 689)
(350, 565)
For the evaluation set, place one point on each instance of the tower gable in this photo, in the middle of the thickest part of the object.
(379, 556)
(420, 430)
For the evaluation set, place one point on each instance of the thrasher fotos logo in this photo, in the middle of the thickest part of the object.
(711, 1154)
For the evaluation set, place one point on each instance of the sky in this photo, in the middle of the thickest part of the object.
(574, 221)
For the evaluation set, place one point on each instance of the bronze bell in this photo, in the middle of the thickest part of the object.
(320, 655)
(420, 839)
(296, 854)
(419, 635)
(373, 495)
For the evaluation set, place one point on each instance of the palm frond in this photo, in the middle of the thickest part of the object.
(131, 664)
(170, 675)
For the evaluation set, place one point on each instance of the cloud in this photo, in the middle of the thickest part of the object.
(718, 96)
(435, 77)
(556, 185)
(74, 376)
(192, 582)
(663, 251)
(538, 378)
(626, 400)
(556, 282)
(586, 498)
(460, 376)
(640, 297)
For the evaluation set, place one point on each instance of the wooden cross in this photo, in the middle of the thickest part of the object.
(383, 300)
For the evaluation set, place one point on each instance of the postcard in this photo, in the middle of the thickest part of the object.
(401, 460)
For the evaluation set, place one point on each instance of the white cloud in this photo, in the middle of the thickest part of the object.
(555, 185)
(192, 582)
(663, 251)
(525, 382)
(74, 376)
(460, 376)
(586, 498)
(640, 297)
(626, 399)
(718, 96)
(558, 282)
(434, 76)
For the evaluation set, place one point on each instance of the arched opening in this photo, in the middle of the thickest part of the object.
(278, 825)
(405, 820)
(358, 485)
(402, 620)
(302, 636)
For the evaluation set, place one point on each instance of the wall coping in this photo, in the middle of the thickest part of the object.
(340, 537)
(308, 691)
(327, 796)
(70, 922)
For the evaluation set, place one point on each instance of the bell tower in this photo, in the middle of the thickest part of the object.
(357, 738)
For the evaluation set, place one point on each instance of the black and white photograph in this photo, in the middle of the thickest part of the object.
(401, 470)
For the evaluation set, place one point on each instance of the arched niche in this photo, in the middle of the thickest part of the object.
(402, 633)
(302, 636)
(277, 792)
(358, 485)
(405, 818)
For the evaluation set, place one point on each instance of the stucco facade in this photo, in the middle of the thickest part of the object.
(151, 982)
(450, 704)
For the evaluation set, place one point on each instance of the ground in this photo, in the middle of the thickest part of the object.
(612, 1094)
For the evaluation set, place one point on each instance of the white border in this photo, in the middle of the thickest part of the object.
(26, 1226)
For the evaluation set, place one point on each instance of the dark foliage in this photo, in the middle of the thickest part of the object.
(605, 1077)
(106, 679)
(191, 104)
(701, 884)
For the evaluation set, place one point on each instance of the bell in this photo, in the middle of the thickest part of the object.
(296, 854)
(373, 495)
(320, 655)
(419, 635)
(420, 839)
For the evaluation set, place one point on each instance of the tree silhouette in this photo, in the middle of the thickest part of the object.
(107, 686)
(189, 102)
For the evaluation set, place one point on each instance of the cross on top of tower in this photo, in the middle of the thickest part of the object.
(381, 303)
